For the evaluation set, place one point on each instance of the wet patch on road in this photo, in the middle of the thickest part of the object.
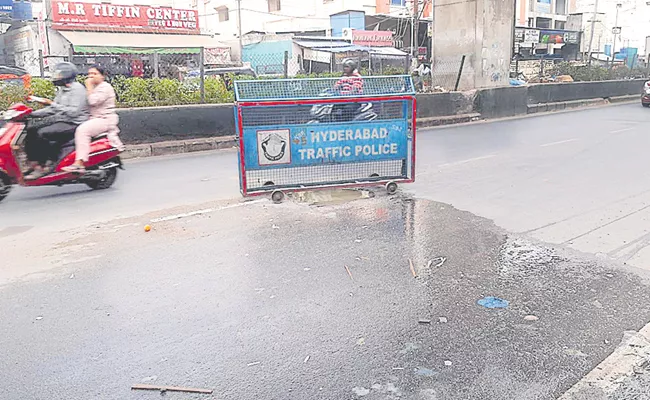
(373, 299)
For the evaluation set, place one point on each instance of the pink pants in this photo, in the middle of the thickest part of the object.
(95, 127)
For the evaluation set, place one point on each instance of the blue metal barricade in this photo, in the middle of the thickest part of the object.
(297, 134)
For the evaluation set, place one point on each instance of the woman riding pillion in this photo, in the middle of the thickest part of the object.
(103, 118)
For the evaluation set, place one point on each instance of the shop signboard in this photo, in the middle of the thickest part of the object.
(6, 7)
(217, 56)
(23, 39)
(519, 35)
(122, 18)
(559, 37)
(42, 37)
(372, 38)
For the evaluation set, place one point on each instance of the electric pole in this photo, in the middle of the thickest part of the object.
(241, 45)
(416, 25)
(591, 35)
(617, 32)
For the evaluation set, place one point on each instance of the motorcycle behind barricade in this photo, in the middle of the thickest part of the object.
(340, 112)
(101, 168)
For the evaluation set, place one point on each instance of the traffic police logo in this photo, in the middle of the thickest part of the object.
(274, 147)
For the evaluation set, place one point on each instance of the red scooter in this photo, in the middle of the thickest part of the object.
(101, 169)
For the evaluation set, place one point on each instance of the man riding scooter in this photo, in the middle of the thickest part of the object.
(59, 121)
(350, 84)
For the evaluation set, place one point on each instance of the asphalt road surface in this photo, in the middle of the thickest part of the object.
(296, 301)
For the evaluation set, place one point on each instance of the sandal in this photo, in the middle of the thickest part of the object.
(36, 174)
(74, 168)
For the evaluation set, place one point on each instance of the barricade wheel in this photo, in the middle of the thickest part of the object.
(277, 196)
(391, 187)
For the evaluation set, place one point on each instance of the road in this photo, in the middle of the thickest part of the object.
(295, 301)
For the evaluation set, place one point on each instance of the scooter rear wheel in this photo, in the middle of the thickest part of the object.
(106, 182)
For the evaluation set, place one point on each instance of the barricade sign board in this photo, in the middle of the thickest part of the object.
(299, 133)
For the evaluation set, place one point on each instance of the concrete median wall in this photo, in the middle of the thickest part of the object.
(159, 124)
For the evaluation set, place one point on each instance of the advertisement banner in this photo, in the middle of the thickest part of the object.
(115, 18)
(372, 38)
(319, 144)
(543, 6)
(42, 37)
(216, 55)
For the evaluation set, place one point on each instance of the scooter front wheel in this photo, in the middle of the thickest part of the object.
(106, 182)
(5, 186)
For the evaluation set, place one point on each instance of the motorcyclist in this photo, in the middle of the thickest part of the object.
(351, 82)
(59, 121)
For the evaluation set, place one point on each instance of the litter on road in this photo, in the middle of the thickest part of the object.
(493, 302)
(424, 321)
(171, 389)
(442, 320)
(349, 272)
(412, 269)
(253, 364)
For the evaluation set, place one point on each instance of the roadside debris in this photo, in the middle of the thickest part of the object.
(349, 272)
(253, 364)
(424, 321)
(39, 318)
(171, 389)
(361, 341)
(442, 320)
(493, 302)
(437, 262)
(307, 359)
(412, 269)
(424, 372)
(71, 276)
(147, 228)
(531, 318)
(448, 363)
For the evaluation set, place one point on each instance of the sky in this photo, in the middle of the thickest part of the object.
(634, 20)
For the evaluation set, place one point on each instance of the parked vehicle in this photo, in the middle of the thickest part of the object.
(645, 97)
(340, 112)
(101, 169)
(14, 75)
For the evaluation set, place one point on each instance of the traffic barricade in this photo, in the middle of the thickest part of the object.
(301, 134)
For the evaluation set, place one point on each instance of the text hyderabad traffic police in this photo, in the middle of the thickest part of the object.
(356, 149)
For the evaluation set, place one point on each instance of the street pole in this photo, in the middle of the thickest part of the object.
(593, 28)
(241, 45)
(618, 6)
(416, 23)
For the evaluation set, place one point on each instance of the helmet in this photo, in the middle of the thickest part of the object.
(350, 63)
(64, 73)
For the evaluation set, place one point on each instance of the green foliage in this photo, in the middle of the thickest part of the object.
(582, 72)
(11, 94)
(43, 88)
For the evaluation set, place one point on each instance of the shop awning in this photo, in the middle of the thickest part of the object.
(387, 51)
(138, 43)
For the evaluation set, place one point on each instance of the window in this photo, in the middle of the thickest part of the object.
(531, 22)
(274, 5)
(560, 7)
(560, 25)
(544, 23)
(224, 14)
